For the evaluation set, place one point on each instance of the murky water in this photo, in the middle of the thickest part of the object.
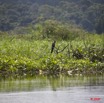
(51, 89)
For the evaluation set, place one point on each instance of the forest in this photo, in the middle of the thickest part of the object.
(86, 14)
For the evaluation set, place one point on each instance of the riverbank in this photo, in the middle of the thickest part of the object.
(21, 56)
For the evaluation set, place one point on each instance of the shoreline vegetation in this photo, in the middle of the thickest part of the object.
(76, 52)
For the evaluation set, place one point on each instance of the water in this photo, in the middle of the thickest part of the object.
(51, 89)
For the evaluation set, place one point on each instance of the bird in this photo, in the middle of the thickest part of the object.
(53, 46)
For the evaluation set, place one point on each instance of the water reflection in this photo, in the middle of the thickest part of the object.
(54, 83)
(53, 89)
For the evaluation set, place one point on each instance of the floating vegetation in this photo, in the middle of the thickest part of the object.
(23, 57)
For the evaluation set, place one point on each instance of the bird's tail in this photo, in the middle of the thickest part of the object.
(52, 50)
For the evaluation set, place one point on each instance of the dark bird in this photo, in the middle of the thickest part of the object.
(53, 46)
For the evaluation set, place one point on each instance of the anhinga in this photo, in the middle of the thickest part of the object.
(53, 46)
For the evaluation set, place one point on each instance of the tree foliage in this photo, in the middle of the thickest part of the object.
(85, 13)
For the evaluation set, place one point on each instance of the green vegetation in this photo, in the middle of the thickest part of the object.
(88, 14)
(76, 51)
(28, 28)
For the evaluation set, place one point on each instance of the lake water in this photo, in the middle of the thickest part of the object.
(53, 89)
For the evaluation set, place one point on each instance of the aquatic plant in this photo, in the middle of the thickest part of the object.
(23, 57)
